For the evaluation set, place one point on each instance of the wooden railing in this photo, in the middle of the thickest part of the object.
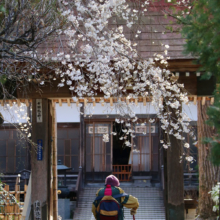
(191, 179)
(10, 210)
(122, 172)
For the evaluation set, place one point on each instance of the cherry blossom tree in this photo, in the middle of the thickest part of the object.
(99, 58)
(75, 43)
(90, 56)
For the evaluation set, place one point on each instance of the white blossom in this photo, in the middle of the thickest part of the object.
(105, 138)
(127, 143)
(186, 145)
(101, 59)
(151, 120)
(189, 158)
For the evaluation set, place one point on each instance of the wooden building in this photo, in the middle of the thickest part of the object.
(79, 139)
(80, 143)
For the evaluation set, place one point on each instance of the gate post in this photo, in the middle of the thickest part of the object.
(82, 144)
(174, 181)
(40, 159)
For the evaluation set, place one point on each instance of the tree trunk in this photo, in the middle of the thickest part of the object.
(208, 173)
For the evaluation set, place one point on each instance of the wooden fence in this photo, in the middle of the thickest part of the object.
(12, 210)
(122, 172)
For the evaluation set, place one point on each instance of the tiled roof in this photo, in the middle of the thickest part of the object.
(152, 39)
(155, 35)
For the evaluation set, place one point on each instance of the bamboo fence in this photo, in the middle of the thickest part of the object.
(11, 210)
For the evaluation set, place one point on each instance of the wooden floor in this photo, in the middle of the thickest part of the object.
(150, 200)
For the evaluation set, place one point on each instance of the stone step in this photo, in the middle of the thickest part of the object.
(150, 200)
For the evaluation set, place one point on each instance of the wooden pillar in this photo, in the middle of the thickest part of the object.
(82, 143)
(174, 183)
(41, 158)
(54, 196)
(28, 152)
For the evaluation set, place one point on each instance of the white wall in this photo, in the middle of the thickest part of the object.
(191, 111)
(107, 109)
(67, 113)
(71, 113)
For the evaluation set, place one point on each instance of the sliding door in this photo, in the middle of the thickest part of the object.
(98, 152)
(145, 148)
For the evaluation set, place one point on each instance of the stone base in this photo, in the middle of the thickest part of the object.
(190, 215)
(64, 208)
(142, 181)
(175, 212)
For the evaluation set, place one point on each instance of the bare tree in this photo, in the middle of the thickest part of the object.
(24, 25)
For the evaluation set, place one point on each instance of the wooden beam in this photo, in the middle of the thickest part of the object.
(114, 99)
(18, 102)
(144, 101)
(53, 104)
(195, 100)
(27, 102)
(103, 103)
(182, 65)
(203, 100)
(2, 102)
(85, 101)
(212, 101)
(10, 103)
(68, 102)
(60, 102)
(111, 101)
(127, 101)
(136, 102)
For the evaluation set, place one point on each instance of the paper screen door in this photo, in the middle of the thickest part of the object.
(98, 152)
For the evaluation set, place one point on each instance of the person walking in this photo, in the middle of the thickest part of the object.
(111, 199)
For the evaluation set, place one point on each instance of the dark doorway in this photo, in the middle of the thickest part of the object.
(121, 152)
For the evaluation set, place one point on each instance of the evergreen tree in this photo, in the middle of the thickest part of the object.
(201, 30)
(201, 27)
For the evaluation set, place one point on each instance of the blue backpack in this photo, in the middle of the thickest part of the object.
(109, 208)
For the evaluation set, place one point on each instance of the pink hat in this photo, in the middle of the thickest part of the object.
(112, 180)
